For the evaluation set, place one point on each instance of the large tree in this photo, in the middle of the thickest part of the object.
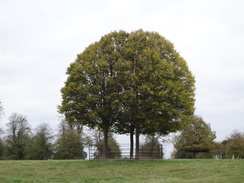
(89, 91)
(128, 82)
(158, 87)
(195, 138)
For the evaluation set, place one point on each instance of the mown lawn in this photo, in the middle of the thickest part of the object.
(53, 171)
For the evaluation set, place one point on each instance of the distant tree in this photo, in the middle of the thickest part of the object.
(151, 148)
(196, 138)
(114, 151)
(40, 146)
(69, 145)
(217, 150)
(18, 135)
(235, 145)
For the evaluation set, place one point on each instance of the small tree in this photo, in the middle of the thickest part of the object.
(69, 145)
(217, 150)
(40, 146)
(18, 135)
(235, 145)
(196, 138)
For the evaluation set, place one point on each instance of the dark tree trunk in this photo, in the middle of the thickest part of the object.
(194, 155)
(152, 147)
(105, 143)
(137, 142)
(132, 129)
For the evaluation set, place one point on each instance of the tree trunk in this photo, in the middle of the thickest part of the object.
(194, 155)
(105, 143)
(132, 129)
(137, 142)
(152, 147)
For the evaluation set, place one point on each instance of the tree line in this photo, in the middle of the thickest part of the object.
(20, 142)
(197, 141)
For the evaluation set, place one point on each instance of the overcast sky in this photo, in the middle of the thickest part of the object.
(40, 38)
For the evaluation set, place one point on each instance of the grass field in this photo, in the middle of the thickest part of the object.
(53, 171)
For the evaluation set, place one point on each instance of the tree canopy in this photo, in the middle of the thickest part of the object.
(18, 136)
(235, 145)
(69, 145)
(195, 138)
(40, 145)
(129, 81)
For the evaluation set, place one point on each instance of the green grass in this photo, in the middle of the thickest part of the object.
(53, 171)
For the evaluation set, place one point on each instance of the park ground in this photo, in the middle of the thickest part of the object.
(75, 171)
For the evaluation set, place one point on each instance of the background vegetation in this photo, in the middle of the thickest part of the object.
(20, 142)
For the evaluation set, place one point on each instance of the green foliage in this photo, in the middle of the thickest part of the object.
(217, 150)
(158, 88)
(127, 80)
(90, 89)
(40, 146)
(195, 138)
(17, 139)
(235, 145)
(69, 146)
(181, 154)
